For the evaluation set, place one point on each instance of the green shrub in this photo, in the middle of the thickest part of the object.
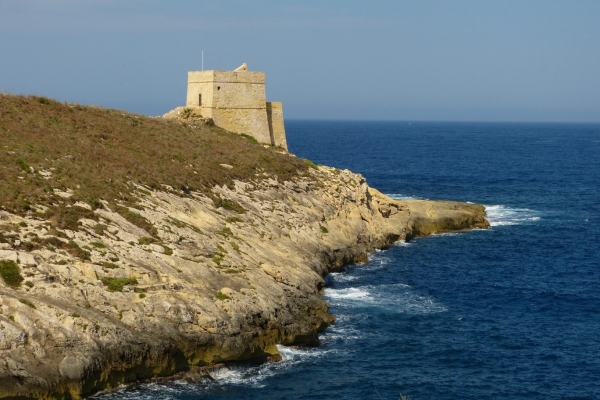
(68, 218)
(30, 246)
(75, 315)
(146, 240)
(116, 284)
(77, 251)
(310, 163)
(99, 229)
(227, 204)
(142, 295)
(177, 223)
(222, 296)
(109, 265)
(10, 273)
(226, 232)
(27, 303)
(137, 220)
(249, 137)
(168, 250)
(234, 219)
(23, 164)
(98, 245)
(323, 229)
(29, 284)
(71, 247)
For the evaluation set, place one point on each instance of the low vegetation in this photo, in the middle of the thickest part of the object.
(310, 163)
(56, 155)
(28, 303)
(222, 296)
(10, 273)
(227, 204)
(117, 284)
(226, 232)
(137, 219)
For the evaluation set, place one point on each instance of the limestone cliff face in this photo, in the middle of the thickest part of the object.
(218, 285)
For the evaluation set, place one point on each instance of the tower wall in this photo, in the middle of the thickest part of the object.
(276, 126)
(236, 101)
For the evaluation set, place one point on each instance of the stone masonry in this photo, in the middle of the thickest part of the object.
(236, 101)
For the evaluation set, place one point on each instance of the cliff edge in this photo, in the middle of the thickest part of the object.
(150, 279)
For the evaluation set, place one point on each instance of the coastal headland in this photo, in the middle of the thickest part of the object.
(133, 248)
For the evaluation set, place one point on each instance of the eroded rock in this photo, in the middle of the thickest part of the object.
(213, 286)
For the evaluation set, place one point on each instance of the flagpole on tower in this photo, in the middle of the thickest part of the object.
(202, 60)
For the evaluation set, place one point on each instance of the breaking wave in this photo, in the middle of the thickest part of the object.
(500, 215)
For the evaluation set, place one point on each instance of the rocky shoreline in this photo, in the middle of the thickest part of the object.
(213, 283)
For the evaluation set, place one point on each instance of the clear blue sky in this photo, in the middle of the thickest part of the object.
(467, 60)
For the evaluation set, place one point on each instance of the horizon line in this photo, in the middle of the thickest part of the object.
(420, 121)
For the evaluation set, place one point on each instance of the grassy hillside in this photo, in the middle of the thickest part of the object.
(97, 153)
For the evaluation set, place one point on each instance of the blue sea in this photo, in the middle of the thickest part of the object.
(512, 312)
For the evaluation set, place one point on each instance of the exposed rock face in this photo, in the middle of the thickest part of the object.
(217, 286)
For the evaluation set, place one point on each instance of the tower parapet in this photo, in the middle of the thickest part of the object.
(236, 101)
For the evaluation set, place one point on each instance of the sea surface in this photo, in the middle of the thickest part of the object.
(512, 312)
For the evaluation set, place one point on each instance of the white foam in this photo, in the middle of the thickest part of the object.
(387, 297)
(500, 215)
(254, 376)
(399, 196)
(226, 375)
(298, 354)
(348, 294)
(343, 330)
(149, 391)
(342, 277)
(445, 234)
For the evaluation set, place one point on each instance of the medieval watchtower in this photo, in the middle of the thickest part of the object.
(236, 101)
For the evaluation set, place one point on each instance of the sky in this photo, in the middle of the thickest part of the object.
(425, 60)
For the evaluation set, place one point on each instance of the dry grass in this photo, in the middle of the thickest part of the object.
(97, 153)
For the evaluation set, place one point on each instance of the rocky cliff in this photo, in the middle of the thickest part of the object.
(183, 279)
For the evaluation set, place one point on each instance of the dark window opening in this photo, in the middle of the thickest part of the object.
(218, 87)
(200, 100)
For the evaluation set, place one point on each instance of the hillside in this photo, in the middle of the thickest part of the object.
(99, 153)
(135, 247)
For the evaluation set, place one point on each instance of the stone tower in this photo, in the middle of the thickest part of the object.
(236, 101)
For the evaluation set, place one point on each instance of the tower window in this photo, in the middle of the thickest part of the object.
(218, 87)
(200, 100)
